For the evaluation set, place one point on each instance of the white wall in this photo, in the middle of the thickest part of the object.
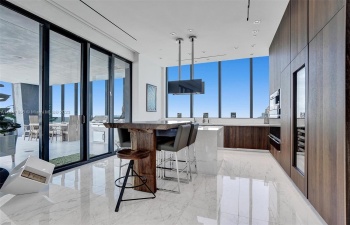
(147, 72)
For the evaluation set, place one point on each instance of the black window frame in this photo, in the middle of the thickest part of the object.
(44, 90)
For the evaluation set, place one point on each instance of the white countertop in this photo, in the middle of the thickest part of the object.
(250, 122)
(240, 125)
(210, 128)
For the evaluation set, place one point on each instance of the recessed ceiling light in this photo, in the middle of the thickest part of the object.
(257, 22)
(173, 33)
(190, 30)
(255, 31)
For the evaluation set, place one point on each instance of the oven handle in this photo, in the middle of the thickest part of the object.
(275, 139)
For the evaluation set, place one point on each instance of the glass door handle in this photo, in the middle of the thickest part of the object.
(82, 119)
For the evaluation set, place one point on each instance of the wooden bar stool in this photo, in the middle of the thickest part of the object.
(131, 155)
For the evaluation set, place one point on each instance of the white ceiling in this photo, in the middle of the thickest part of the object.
(19, 54)
(220, 26)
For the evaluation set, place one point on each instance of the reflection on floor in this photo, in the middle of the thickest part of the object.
(250, 188)
(24, 148)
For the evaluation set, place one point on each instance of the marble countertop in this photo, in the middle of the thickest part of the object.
(210, 128)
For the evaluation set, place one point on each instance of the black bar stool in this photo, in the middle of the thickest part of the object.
(131, 155)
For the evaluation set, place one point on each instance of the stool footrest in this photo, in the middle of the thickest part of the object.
(143, 180)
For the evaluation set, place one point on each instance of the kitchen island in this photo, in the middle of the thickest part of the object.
(209, 139)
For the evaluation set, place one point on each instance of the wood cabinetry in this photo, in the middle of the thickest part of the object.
(284, 38)
(298, 30)
(279, 51)
(249, 137)
(320, 13)
(317, 40)
(285, 154)
(326, 121)
(274, 68)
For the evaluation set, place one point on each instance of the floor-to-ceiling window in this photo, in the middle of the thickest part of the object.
(235, 88)
(58, 92)
(98, 81)
(122, 79)
(207, 102)
(19, 84)
(64, 121)
(260, 86)
(240, 87)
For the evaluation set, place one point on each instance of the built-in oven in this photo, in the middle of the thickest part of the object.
(275, 137)
(275, 105)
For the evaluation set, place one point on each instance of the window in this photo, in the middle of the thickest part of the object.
(19, 82)
(99, 76)
(208, 102)
(235, 88)
(121, 90)
(65, 72)
(33, 47)
(178, 103)
(260, 86)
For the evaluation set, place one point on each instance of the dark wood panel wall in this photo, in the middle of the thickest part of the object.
(317, 39)
(298, 29)
(246, 137)
(284, 159)
(326, 150)
(320, 13)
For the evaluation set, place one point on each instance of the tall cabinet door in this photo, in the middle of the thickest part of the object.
(299, 114)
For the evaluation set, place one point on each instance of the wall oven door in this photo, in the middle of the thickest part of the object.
(274, 137)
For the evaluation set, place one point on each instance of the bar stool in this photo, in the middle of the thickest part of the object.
(124, 142)
(131, 155)
(180, 142)
(191, 141)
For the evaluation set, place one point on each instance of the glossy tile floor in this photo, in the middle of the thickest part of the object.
(250, 188)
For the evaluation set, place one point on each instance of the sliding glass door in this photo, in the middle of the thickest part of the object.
(99, 108)
(64, 101)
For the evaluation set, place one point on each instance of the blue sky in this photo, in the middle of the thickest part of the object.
(235, 82)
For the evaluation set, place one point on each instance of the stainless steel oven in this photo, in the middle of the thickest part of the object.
(275, 104)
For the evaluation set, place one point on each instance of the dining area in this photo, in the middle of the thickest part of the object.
(63, 131)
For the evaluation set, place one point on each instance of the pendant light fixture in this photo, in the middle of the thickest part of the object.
(192, 55)
(179, 40)
(192, 86)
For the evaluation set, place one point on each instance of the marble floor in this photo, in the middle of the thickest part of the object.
(250, 188)
(25, 148)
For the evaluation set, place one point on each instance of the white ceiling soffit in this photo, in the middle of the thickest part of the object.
(145, 26)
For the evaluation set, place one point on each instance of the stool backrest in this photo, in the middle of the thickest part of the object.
(193, 134)
(182, 135)
(124, 135)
